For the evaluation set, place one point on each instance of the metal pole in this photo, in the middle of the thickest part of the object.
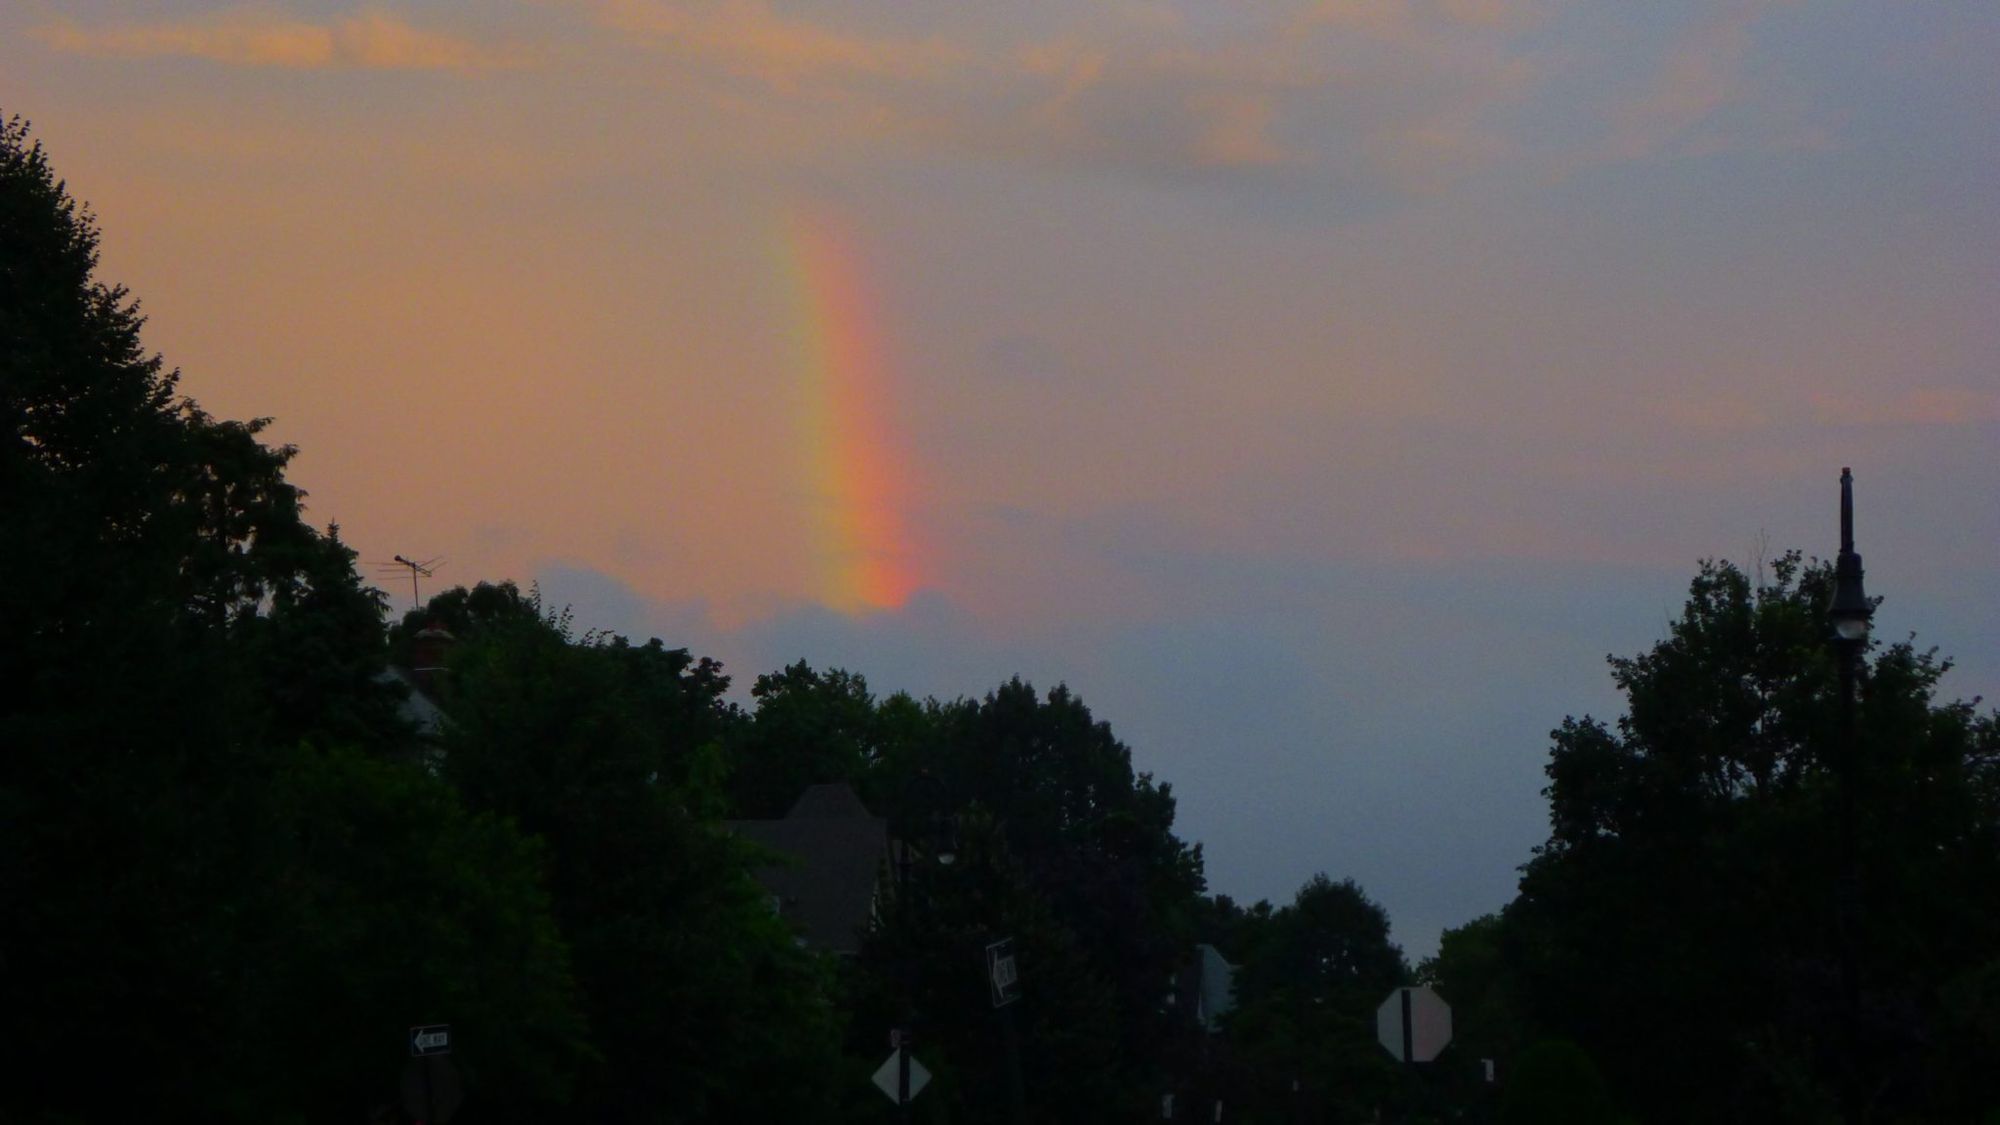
(1017, 1091)
(1849, 615)
(1409, 1058)
(903, 1073)
(1852, 1110)
(909, 1003)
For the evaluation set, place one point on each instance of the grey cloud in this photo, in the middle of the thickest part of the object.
(1022, 358)
(1382, 721)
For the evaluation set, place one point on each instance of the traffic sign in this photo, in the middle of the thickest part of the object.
(1413, 1024)
(1001, 974)
(887, 1074)
(431, 1039)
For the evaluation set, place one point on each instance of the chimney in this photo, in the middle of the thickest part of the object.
(428, 652)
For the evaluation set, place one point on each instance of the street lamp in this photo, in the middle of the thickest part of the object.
(1849, 617)
(1850, 612)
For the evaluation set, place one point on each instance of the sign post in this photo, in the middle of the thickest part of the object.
(436, 1096)
(1413, 1024)
(903, 1093)
(1003, 979)
(901, 1076)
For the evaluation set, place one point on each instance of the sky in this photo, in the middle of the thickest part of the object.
(1320, 388)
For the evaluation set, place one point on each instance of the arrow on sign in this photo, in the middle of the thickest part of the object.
(434, 1039)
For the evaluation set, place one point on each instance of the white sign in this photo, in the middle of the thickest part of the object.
(1001, 974)
(885, 1077)
(434, 1039)
(1413, 1024)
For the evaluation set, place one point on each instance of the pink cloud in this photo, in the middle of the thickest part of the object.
(1918, 406)
(370, 41)
(1702, 74)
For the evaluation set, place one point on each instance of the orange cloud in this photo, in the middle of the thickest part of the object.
(1700, 76)
(1410, 92)
(1413, 19)
(1711, 94)
(1235, 130)
(1385, 19)
(1917, 406)
(746, 37)
(370, 41)
(1497, 13)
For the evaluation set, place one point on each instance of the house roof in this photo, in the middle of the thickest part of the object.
(417, 708)
(829, 802)
(830, 857)
(1208, 983)
(1218, 985)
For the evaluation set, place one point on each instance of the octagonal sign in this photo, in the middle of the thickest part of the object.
(1413, 1024)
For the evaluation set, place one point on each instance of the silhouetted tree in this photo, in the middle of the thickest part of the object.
(808, 728)
(234, 924)
(700, 1005)
(1312, 974)
(1680, 923)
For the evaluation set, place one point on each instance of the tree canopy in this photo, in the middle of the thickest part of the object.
(235, 874)
(211, 883)
(1689, 903)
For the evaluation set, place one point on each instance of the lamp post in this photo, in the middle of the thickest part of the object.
(1849, 618)
(1851, 610)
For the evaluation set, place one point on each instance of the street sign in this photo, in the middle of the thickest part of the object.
(431, 1039)
(886, 1075)
(1413, 1024)
(1001, 974)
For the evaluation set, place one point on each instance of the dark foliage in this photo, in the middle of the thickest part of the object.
(1685, 917)
(204, 892)
(233, 876)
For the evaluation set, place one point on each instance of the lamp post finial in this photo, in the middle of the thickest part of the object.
(1846, 511)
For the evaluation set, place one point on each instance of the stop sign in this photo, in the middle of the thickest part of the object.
(1414, 1024)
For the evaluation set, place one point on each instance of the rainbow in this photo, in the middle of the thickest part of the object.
(860, 481)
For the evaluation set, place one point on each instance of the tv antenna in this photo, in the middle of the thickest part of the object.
(424, 569)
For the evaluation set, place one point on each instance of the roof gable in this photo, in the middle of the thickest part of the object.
(836, 801)
(831, 854)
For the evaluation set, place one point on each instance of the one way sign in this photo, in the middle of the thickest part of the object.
(431, 1039)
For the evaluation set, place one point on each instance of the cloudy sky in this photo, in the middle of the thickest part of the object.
(1321, 389)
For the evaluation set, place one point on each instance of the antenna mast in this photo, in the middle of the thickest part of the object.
(424, 569)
